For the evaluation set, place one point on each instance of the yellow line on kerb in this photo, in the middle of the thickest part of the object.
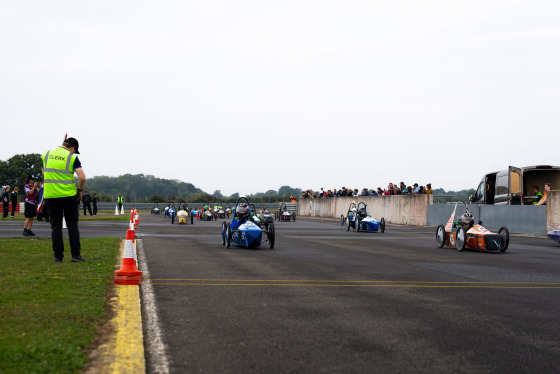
(129, 342)
(124, 352)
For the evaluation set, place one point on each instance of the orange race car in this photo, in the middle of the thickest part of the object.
(464, 233)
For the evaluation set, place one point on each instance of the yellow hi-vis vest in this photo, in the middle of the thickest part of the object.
(119, 199)
(58, 167)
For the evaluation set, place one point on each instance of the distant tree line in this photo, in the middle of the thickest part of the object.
(150, 189)
(15, 170)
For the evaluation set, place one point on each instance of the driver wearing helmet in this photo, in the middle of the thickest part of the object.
(362, 213)
(467, 220)
(242, 214)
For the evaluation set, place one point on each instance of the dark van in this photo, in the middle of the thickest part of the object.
(514, 186)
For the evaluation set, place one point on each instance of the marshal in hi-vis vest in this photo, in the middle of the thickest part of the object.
(58, 168)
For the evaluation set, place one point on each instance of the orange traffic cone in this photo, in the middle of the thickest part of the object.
(132, 227)
(128, 273)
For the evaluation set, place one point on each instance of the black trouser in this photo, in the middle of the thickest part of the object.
(94, 209)
(88, 206)
(14, 208)
(120, 207)
(6, 207)
(66, 207)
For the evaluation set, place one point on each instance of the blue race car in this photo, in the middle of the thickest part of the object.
(349, 215)
(171, 212)
(362, 221)
(243, 231)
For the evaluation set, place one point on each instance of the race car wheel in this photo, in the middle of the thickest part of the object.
(192, 219)
(271, 234)
(440, 236)
(504, 233)
(342, 220)
(461, 238)
(357, 224)
(228, 236)
(172, 218)
(224, 231)
(347, 224)
(382, 225)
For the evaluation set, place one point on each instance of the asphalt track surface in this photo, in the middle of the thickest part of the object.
(325, 300)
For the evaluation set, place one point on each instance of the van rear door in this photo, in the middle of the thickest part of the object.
(508, 187)
(515, 192)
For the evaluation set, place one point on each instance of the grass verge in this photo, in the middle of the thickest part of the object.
(49, 312)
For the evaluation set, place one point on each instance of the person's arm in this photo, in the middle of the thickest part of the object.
(81, 181)
(542, 201)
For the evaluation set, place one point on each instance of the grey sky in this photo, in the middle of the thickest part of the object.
(247, 96)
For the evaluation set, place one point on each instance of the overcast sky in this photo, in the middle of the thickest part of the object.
(247, 96)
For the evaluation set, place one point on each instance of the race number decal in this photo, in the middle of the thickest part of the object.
(452, 239)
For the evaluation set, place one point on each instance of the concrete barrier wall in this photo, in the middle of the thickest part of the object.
(519, 219)
(553, 210)
(400, 209)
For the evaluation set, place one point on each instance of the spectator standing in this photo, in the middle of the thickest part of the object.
(292, 199)
(380, 191)
(94, 203)
(428, 190)
(86, 199)
(402, 187)
(14, 197)
(120, 202)
(547, 187)
(30, 205)
(41, 210)
(5, 197)
(365, 192)
(61, 196)
(415, 188)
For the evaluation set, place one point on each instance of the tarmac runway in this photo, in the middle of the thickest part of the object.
(325, 300)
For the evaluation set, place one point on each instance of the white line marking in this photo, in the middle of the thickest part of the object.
(155, 347)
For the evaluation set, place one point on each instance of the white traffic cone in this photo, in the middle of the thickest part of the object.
(64, 222)
(122, 209)
(116, 210)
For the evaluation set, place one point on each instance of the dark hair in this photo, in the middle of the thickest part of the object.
(536, 187)
(548, 184)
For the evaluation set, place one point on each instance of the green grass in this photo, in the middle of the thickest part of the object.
(48, 311)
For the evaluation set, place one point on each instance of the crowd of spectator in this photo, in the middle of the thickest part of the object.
(392, 189)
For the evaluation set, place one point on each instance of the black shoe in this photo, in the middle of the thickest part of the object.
(57, 260)
(25, 233)
(78, 259)
(30, 233)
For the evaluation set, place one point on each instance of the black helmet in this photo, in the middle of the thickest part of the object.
(362, 212)
(242, 210)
